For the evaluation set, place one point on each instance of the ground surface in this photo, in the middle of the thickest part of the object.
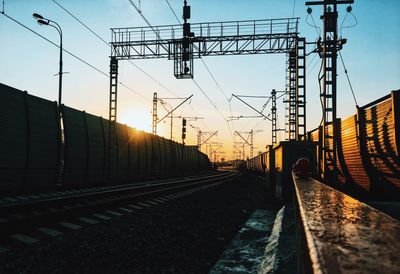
(184, 235)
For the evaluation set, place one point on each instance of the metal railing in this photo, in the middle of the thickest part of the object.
(338, 234)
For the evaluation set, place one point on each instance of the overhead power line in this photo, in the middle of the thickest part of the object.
(83, 24)
(294, 7)
(216, 83)
(177, 19)
(72, 54)
(348, 80)
(108, 44)
(147, 21)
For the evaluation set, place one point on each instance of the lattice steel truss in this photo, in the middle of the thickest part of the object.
(214, 38)
(300, 91)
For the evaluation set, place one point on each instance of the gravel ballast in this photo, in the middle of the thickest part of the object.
(184, 235)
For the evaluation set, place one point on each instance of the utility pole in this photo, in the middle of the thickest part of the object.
(201, 133)
(155, 118)
(213, 152)
(251, 136)
(199, 139)
(328, 49)
(274, 115)
(238, 151)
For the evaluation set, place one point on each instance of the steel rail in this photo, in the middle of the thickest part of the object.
(23, 216)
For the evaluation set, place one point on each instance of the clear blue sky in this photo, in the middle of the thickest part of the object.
(28, 62)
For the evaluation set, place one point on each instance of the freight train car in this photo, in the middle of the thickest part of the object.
(36, 152)
(368, 148)
(264, 164)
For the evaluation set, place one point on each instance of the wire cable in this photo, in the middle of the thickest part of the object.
(294, 7)
(83, 24)
(108, 44)
(320, 92)
(177, 19)
(215, 81)
(147, 22)
(312, 68)
(317, 29)
(209, 99)
(348, 80)
(72, 54)
(349, 26)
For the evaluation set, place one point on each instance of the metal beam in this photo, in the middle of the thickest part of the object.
(211, 38)
(215, 133)
(240, 135)
(329, 2)
(154, 116)
(266, 117)
(175, 108)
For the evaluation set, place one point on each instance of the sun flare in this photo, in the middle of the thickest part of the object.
(136, 118)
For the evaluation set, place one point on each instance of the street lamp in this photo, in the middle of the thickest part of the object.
(44, 21)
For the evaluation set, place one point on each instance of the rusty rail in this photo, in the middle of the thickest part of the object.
(338, 234)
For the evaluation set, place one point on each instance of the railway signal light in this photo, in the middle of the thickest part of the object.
(183, 130)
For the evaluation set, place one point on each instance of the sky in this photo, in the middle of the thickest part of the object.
(30, 63)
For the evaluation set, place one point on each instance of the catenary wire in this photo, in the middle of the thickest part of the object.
(73, 55)
(108, 44)
(348, 79)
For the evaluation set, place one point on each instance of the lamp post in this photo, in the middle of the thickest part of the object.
(44, 21)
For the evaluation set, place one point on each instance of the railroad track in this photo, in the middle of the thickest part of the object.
(24, 216)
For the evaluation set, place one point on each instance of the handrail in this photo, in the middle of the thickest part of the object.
(396, 119)
(338, 234)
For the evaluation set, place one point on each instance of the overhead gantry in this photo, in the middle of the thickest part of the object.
(185, 42)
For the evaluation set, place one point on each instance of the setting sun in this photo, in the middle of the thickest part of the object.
(136, 118)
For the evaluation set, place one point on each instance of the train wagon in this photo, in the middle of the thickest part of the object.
(36, 151)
